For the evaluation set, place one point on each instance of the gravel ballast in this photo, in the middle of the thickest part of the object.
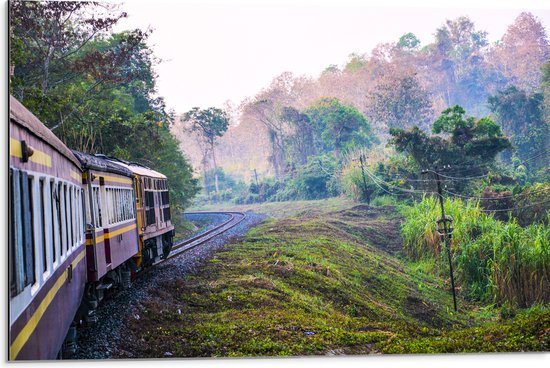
(102, 340)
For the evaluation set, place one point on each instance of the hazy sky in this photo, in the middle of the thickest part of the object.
(213, 51)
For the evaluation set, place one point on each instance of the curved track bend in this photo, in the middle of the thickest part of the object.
(184, 245)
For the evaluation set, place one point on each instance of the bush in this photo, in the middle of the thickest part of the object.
(390, 176)
(494, 260)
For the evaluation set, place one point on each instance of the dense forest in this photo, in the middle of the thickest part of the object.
(93, 88)
(302, 137)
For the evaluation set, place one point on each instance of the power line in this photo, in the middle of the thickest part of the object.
(493, 198)
(543, 152)
(450, 168)
(452, 178)
(375, 179)
(516, 208)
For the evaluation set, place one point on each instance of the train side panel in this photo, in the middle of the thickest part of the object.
(112, 235)
(46, 251)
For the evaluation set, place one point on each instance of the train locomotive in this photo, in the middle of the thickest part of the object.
(80, 225)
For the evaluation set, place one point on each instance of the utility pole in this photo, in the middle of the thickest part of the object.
(367, 195)
(445, 233)
(256, 177)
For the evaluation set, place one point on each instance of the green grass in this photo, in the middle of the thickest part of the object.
(495, 261)
(283, 209)
(321, 284)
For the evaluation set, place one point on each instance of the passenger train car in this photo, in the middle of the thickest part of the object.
(79, 225)
(111, 231)
(155, 227)
(47, 255)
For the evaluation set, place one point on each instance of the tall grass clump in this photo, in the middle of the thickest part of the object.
(494, 260)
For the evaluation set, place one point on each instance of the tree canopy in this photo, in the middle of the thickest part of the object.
(95, 89)
(339, 127)
(461, 140)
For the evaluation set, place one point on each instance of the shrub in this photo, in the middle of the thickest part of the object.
(494, 260)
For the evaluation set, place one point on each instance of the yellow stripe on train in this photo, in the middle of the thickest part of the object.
(38, 156)
(29, 328)
(109, 235)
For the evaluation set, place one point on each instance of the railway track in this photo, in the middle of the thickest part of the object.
(184, 245)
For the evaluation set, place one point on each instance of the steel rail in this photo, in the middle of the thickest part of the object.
(186, 244)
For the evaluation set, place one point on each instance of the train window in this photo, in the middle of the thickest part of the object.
(63, 222)
(52, 223)
(82, 209)
(28, 218)
(77, 214)
(87, 207)
(12, 248)
(109, 194)
(126, 207)
(130, 206)
(119, 205)
(66, 209)
(43, 226)
(97, 210)
(74, 206)
(58, 206)
(71, 216)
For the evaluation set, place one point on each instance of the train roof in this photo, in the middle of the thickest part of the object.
(136, 168)
(100, 163)
(20, 115)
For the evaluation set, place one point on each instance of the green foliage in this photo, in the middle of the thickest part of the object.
(381, 177)
(494, 260)
(316, 179)
(355, 63)
(339, 127)
(408, 42)
(522, 118)
(400, 101)
(527, 331)
(95, 90)
(210, 123)
(470, 142)
(225, 181)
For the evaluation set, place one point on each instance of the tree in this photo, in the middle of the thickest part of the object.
(267, 107)
(408, 42)
(301, 138)
(522, 118)
(338, 127)
(458, 55)
(522, 51)
(210, 123)
(51, 33)
(94, 89)
(400, 102)
(460, 141)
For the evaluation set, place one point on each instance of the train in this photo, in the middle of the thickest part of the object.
(79, 225)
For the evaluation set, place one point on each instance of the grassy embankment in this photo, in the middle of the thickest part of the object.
(322, 281)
